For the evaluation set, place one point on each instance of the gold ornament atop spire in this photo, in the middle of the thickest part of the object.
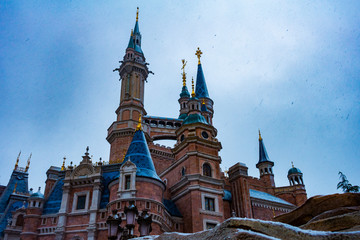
(28, 163)
(139, 127)
(183, 73)
(15, 188)
(292, 164)
(203, 101)
(63, 166)
(17, 161)
(132, 32)
(260, 138)
(198, 54)
(137, 14)
(192, 86)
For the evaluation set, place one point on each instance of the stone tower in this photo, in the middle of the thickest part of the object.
(133, 73)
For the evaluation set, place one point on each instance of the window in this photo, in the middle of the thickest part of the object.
(207, 170)
(43, 221)
(182, 138)
(54, 220)
(158, 208)
(183, 171)
(205, 135)
(118, 205)
(147, 205)
(102, 215)
(210, 225)
(127, 182)
(209, 204)
(81, 200)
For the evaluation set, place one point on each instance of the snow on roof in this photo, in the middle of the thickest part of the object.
(267, 196)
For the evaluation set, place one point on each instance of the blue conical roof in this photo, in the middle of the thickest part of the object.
(194, 118)
(201, 89)
(131, 42)
(139, 154)
(136, 28)
(263, 156)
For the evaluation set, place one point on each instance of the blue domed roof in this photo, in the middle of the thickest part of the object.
(294, 170)
(183, 116)
(184, 92)
(194, 118)
(38, 194)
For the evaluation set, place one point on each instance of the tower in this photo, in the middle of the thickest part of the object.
(265, 165)
(133, 73)
(195, 178)
(184, 95)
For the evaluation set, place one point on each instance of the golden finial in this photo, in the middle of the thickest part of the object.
(292, 163)
(139, 124)
(192, 86)
(63, 166)
(183, 73)
(28, 163)
(137, 14)
(198, 54)
(132, 32)
(203, 101)
(15, 187)
(17, 161)
(274, 212)
(260, 138)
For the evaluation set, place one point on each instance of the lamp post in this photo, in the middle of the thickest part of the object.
(144, 222)
(131, 211)
(116, 232)
(113, 223)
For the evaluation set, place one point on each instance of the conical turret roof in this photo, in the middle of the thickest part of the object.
(201, 89)
(139, 154)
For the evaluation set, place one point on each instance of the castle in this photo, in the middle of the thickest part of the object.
(183, 187)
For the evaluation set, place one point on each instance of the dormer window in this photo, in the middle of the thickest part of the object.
(127, 182)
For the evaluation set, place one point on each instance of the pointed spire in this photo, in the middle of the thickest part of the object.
(260, 135)
(28, 163)
(136, 28)
(139, 127)
(131, 41)
(63, 165)
(292, 164)
(17, 161)
(263, 156)
(201, 89)
(192, 87)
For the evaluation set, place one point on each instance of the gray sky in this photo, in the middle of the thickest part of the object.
(289, 68)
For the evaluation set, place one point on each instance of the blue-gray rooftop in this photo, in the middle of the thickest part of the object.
(267, 197)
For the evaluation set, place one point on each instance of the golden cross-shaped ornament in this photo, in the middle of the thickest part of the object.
(198, 54)
(184, 74)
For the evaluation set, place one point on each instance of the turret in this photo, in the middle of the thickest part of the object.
(33, 213)
(265, 165)
(201, 91)
(295, 176)
(133, 73)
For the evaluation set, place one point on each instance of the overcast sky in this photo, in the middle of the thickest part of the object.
(288, 68)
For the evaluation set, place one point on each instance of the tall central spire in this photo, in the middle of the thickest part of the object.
(201, 89)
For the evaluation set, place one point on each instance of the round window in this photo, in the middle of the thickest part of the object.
(205, 135)
(182, 138)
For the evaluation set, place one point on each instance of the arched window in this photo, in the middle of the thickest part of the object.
(20, 220)
(183, 171)
(207, 170)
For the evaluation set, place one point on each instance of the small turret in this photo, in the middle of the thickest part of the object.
(265, 165)
(295, 176)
